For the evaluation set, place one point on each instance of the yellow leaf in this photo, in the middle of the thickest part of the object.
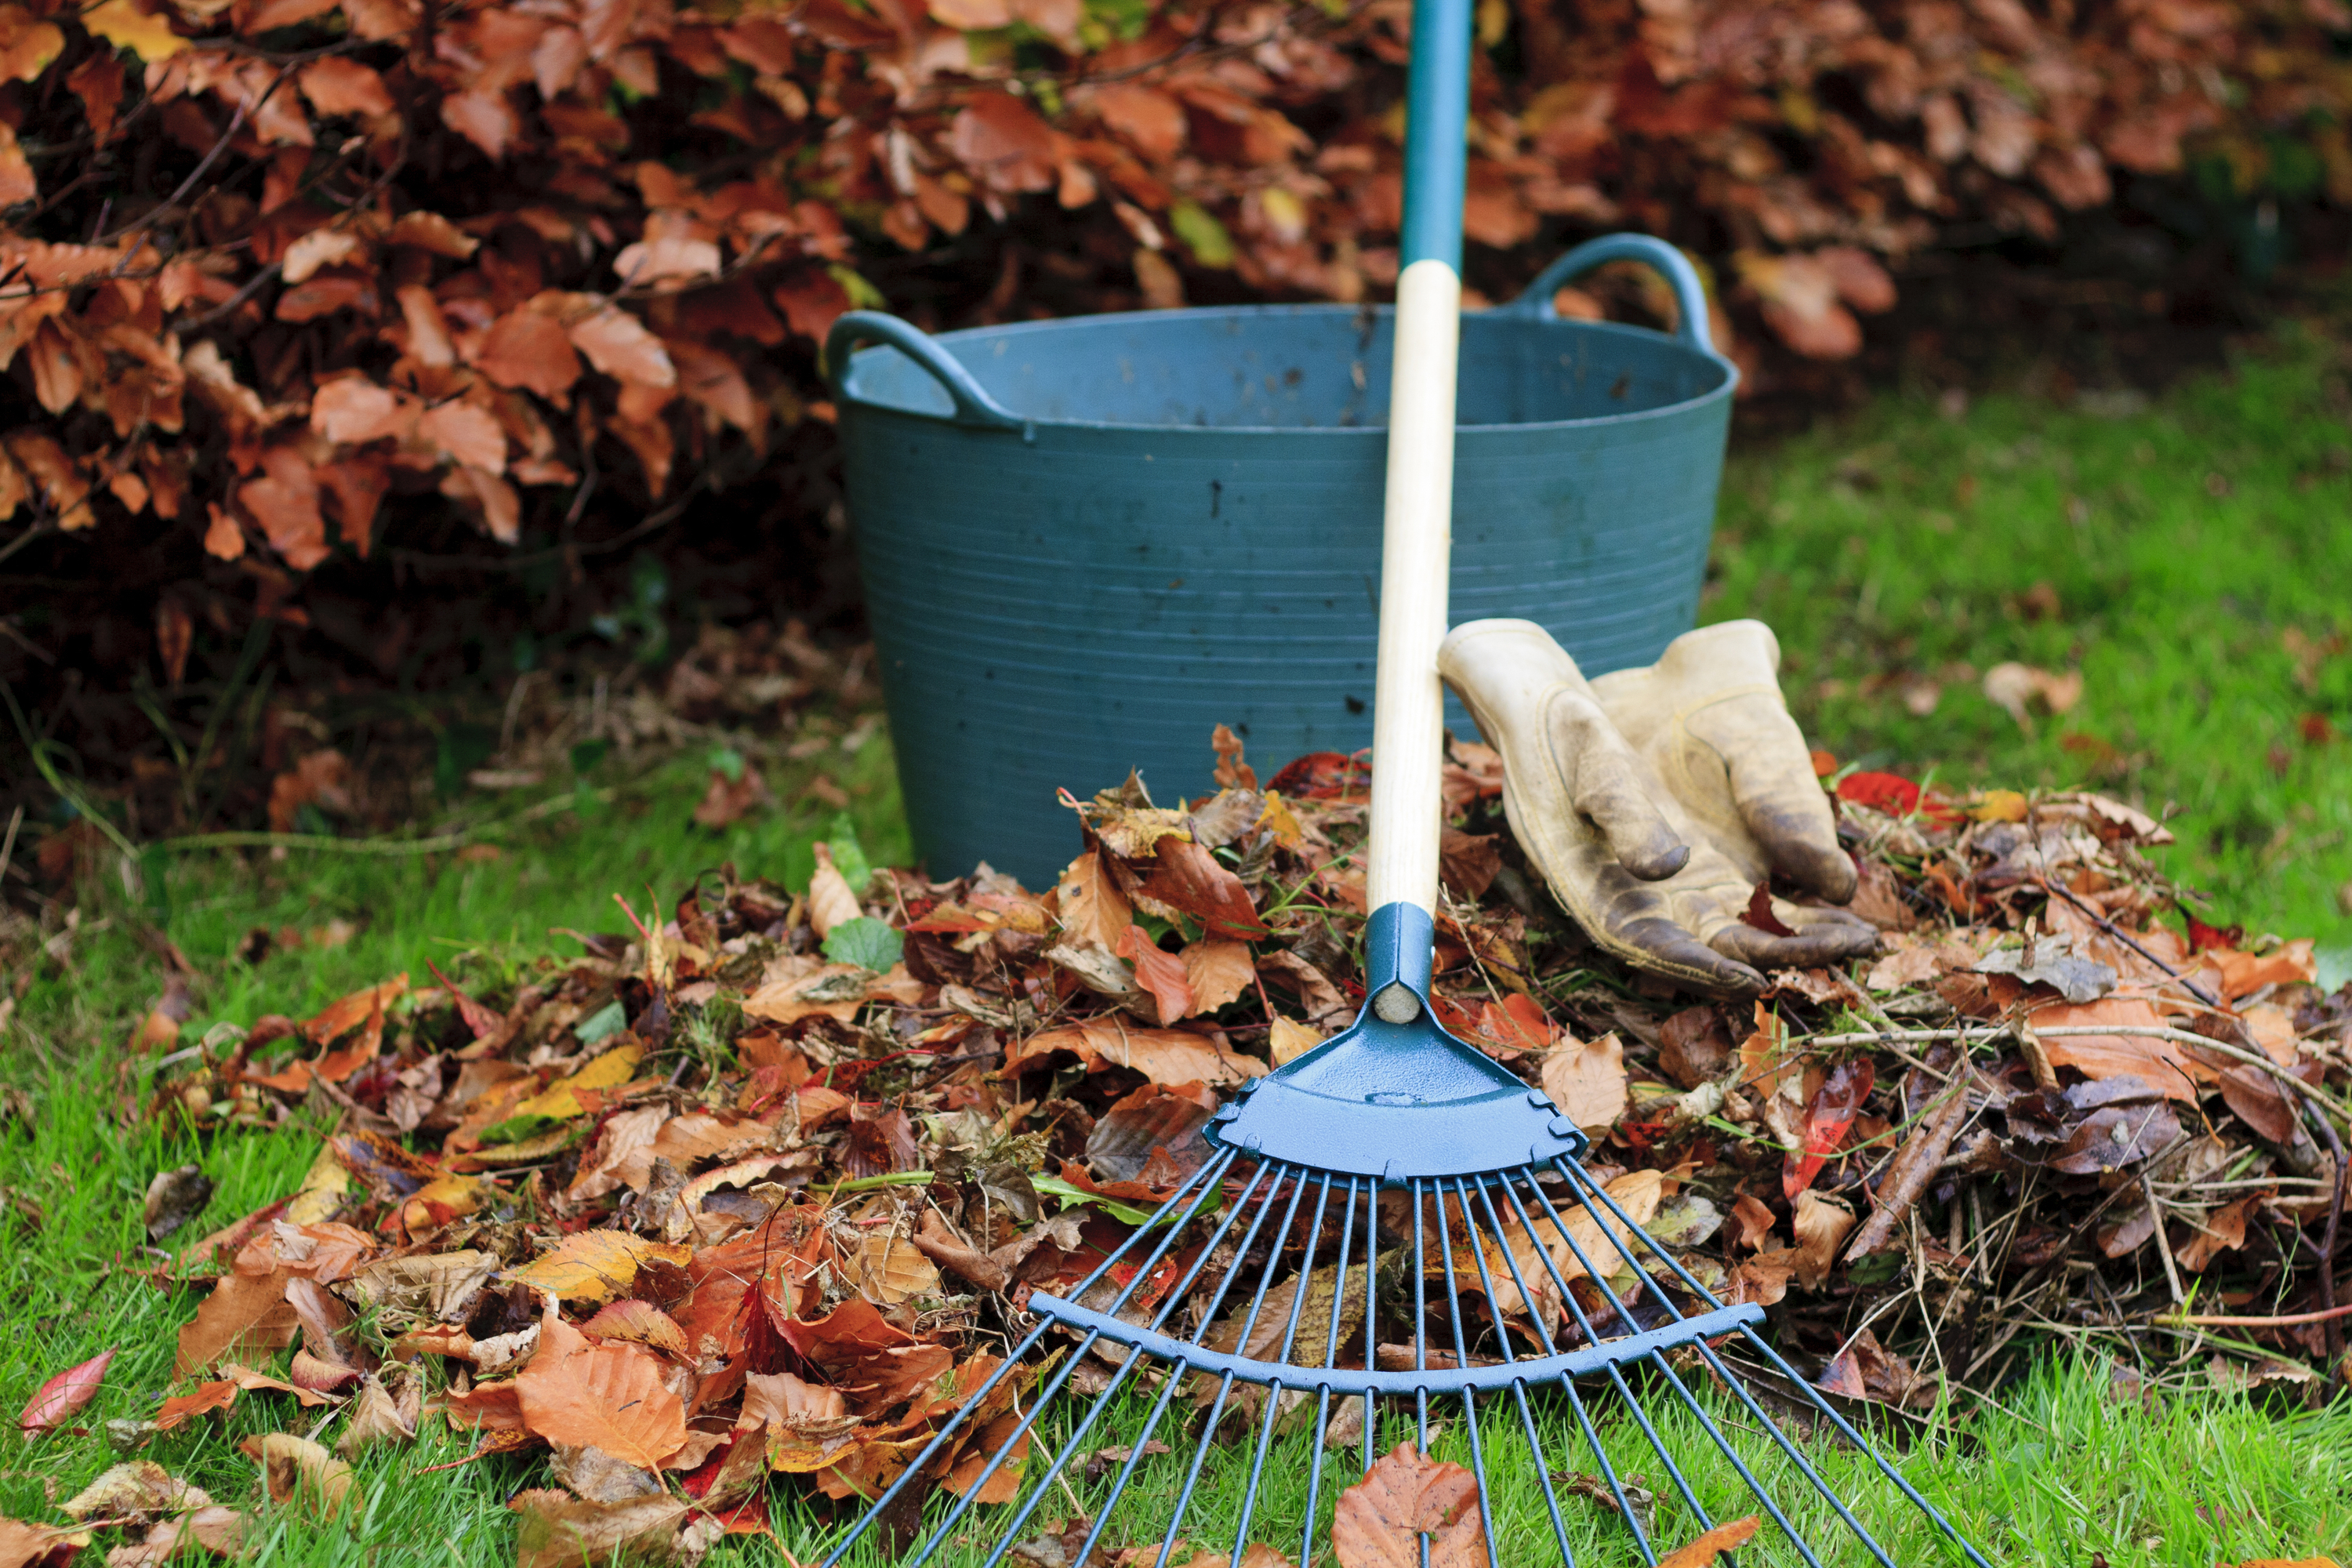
(122, 24)
(1999, 805)
(1290, 1041)
(596, 1265)
(322, 1191)
(608, 1071)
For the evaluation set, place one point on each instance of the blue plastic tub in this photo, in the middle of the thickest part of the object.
(1087, 542)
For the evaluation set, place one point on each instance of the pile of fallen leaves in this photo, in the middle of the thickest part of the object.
(758, 1184)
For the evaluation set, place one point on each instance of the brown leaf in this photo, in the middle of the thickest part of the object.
(529, 349)
(1288, 1041)
(2114, 1136)
(25, 1545)
(1163, 1055)
(557, 1529)
(341, 85)
(465, 435)
(1089, 905)
(2223, 1230)
(1148, 120)
(1187, 879)
(379, 1416)
(618, 344)
(1003, 142)
(352, 409)
(1819, 1223)
(607, 1395)
(485, 119)
(1219, 972)
(136, 1489)
(295, 1467)
(244, 1313)
(1588, 1082)
(832, 900)
(1722, 1538)
(1380, 1521)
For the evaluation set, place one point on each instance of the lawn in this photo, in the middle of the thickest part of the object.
(2187, 557)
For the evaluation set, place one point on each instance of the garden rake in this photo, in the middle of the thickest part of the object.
(1391, 1221)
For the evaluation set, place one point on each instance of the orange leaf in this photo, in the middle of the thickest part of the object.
(1160, 973)
(223, 539)
(1151, 122)
(188, 1406)
(245, 1312)
(339, 84)
(1163, 1055)
(1218, 972)
(1702, 1552)
(609, 1397)
(1190, 879)
(640, 1322)
(355, 410)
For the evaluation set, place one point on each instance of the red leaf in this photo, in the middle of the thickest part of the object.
(64, 1394)
(1832, 1112)
(1758, 912)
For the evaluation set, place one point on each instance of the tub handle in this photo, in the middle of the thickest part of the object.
(1690, 296)
(972, 404)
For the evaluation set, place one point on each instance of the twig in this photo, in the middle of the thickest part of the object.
(2287, 1321)
(455, 839)
(2163, 1245)
(2126, 937)
(8, 844)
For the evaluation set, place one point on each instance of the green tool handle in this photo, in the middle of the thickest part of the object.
(1409, 704)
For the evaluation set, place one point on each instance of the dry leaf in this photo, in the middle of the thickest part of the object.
(1286, 1041)
(1588, 1082)
(1722, 1538)
(295, 1467)
(1163, 1055)
(1380, 1521)
(596, 1265)
(557, 1529)
(607, 1395)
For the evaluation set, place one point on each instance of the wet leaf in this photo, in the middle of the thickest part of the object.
(60, 1399)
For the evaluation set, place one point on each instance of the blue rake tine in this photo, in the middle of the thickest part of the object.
(1518, 1385)
(1372, 1310)
(1462, 1359)
(1206, 1179)
(1813, 1395)
(1126, 1470)
(1289, 1333)
(1616, 1377)
(1061, 1377)
(1330, 1359)
(1208, 1316)
(1788, 1371)
(1568, 1385)
(1584, 1182)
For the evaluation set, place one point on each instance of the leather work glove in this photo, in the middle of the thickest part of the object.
(1640, 871)
(1709, 720)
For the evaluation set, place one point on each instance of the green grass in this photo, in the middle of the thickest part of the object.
(2184, 548)
(1876, 564)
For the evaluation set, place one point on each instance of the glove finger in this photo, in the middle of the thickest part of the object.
(1817, 943)
(1777, 793)
(1664, 948)
(1606, 784)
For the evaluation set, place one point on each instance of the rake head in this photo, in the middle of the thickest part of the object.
(1395, 1241)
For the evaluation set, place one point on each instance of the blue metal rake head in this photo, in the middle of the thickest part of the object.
(1371, 1216)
